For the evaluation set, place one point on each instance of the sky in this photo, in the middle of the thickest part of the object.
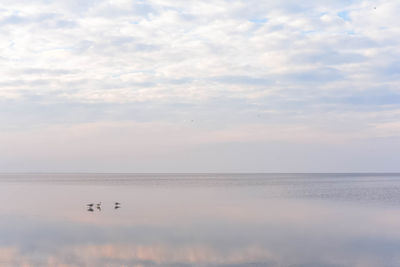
(199, 86)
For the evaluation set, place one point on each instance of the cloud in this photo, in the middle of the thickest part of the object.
(289, 59)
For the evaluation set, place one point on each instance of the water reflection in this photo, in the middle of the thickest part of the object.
(258, 225)
(98, 206)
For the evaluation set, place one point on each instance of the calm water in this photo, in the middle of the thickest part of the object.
(200, 220)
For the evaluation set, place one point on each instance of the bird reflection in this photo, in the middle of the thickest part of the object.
(91, 206)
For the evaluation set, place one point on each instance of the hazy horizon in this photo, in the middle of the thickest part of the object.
(196, 173)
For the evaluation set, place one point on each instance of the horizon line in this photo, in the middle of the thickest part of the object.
(141, 173)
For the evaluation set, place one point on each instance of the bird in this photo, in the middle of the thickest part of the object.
(117, 203)
(90, 205)
(90, 209)
(98, 204)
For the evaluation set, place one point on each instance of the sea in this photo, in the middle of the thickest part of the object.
(87, 219)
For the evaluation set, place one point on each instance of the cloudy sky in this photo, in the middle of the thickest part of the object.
(199, 86)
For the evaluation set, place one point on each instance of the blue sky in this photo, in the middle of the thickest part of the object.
(202, 86)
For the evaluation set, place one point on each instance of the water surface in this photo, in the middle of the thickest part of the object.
(200, 220)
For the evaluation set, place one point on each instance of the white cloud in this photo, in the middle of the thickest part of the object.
(226, 63)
